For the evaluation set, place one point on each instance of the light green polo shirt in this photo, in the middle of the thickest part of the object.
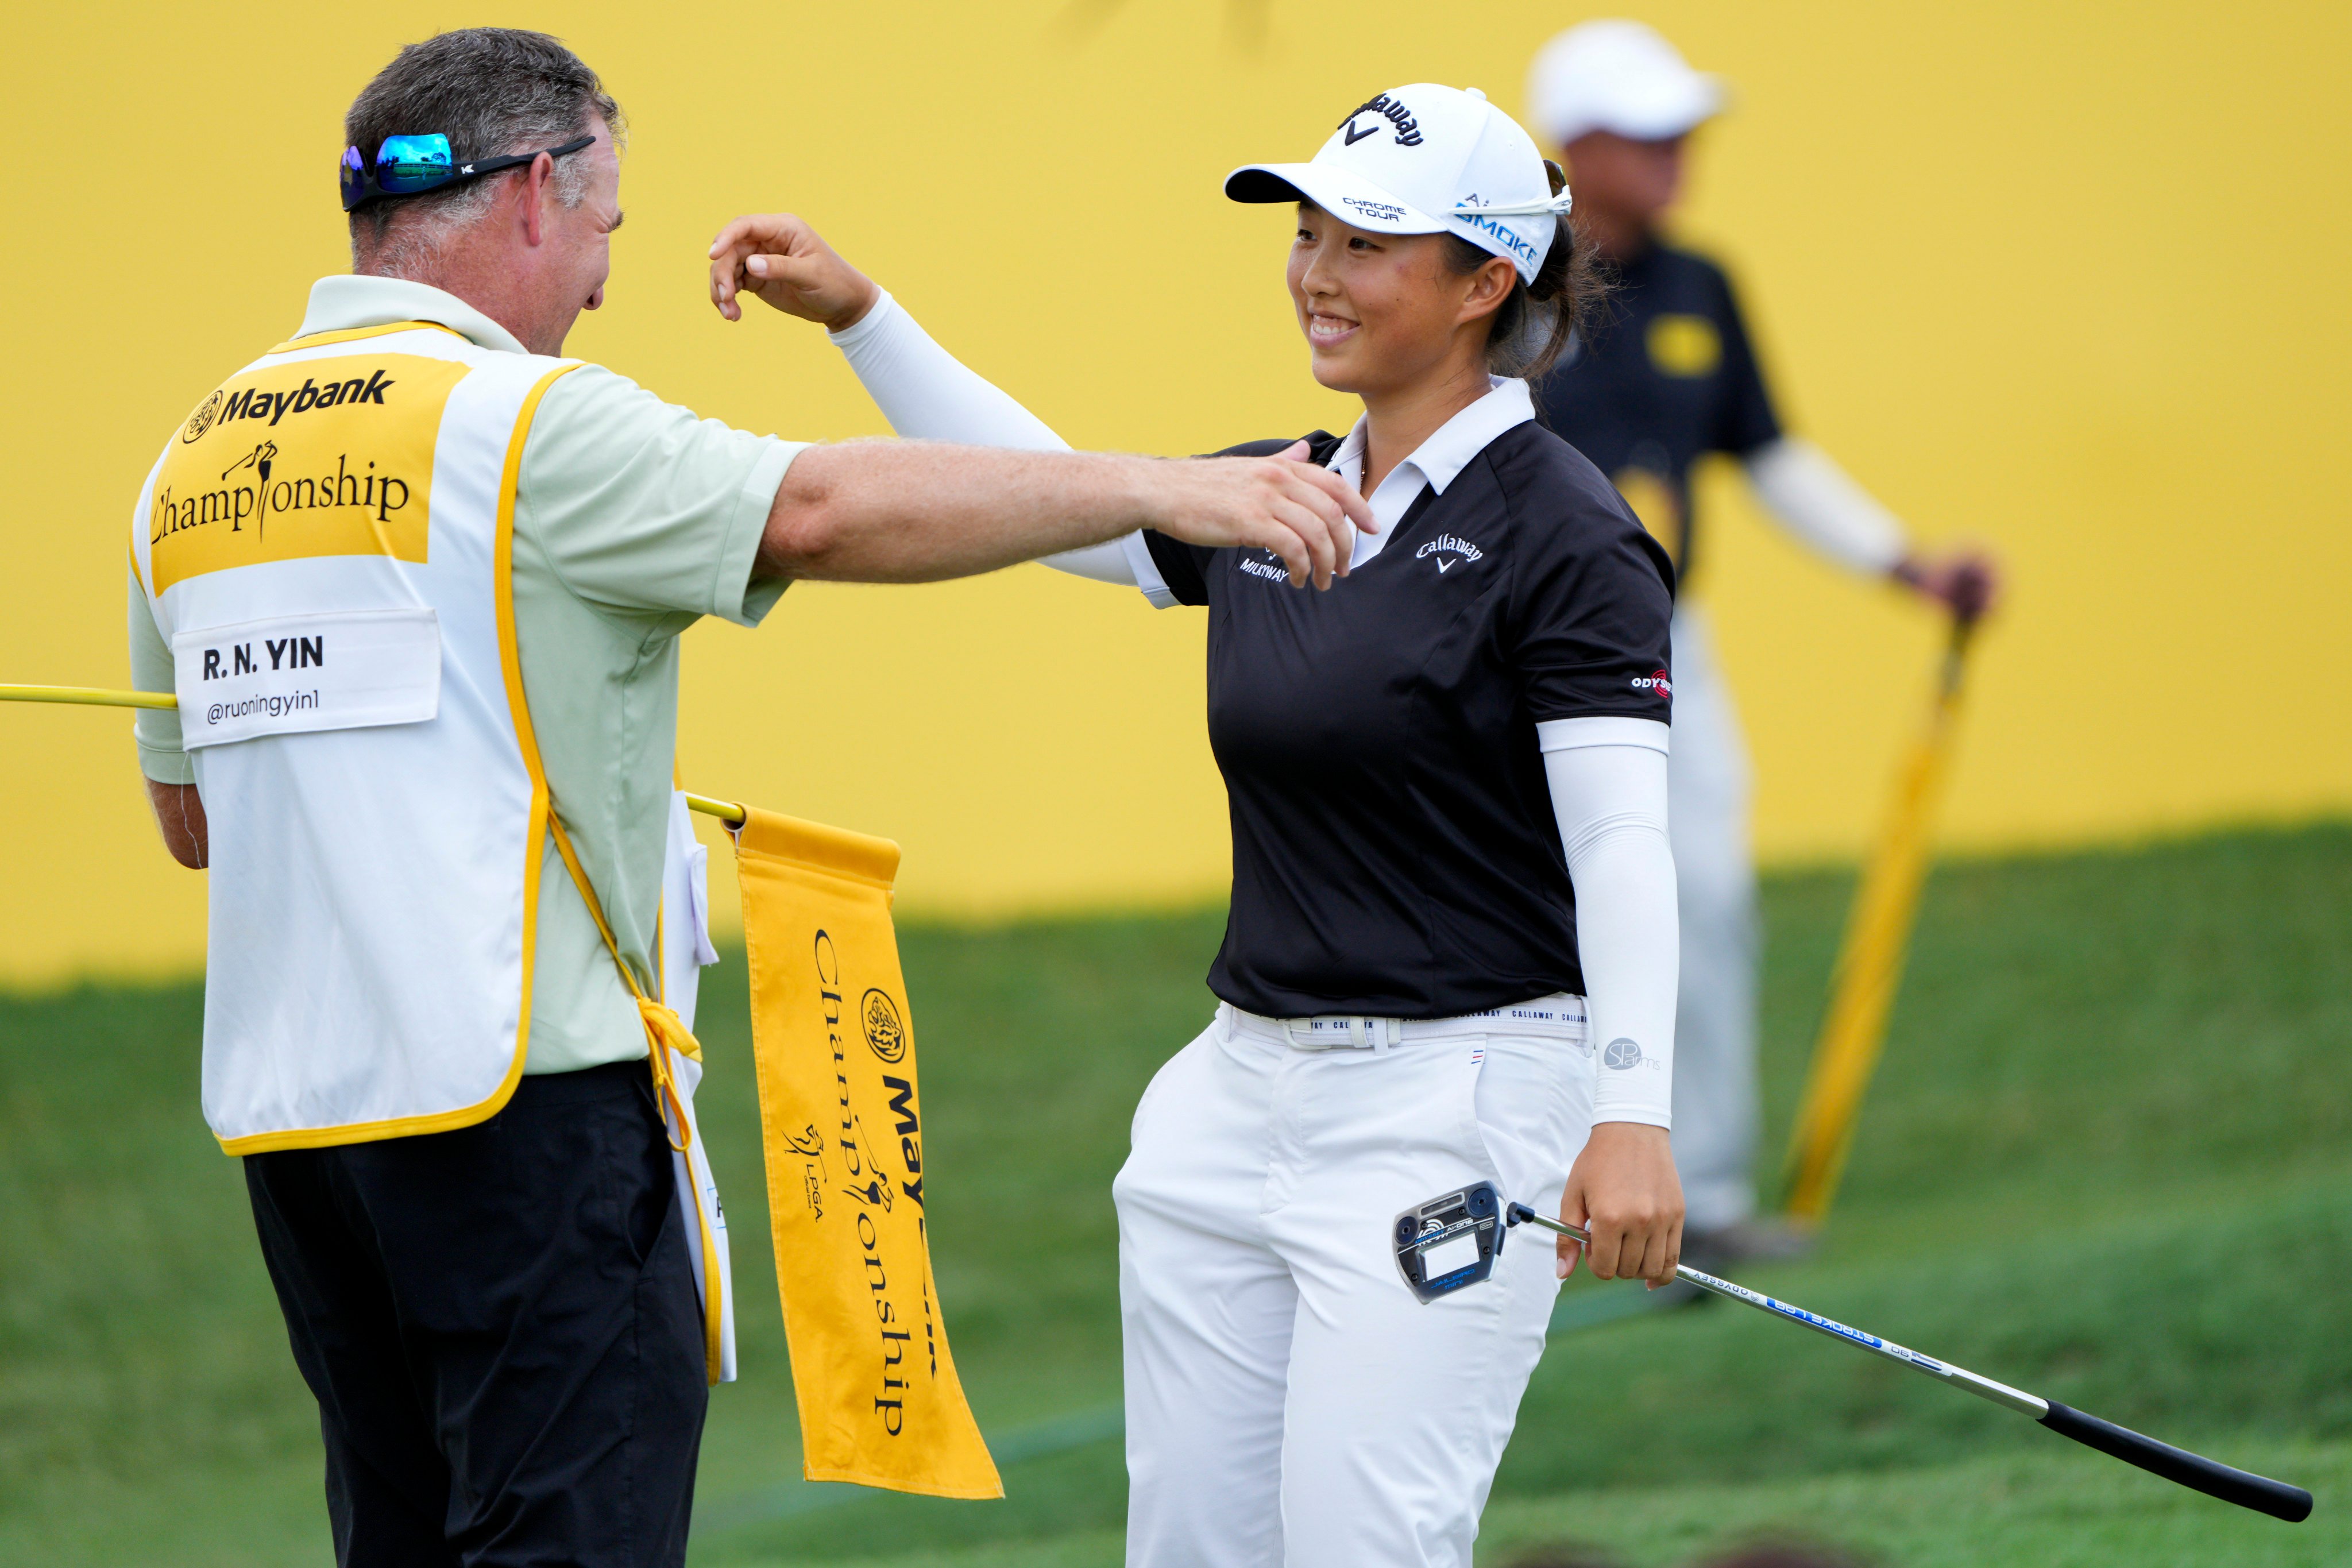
(632, 520)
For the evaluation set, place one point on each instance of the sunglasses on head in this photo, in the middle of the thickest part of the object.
(405, 166)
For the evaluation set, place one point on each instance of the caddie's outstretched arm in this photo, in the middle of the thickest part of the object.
(898, 512)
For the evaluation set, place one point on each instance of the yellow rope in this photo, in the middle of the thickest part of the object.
(99, 696)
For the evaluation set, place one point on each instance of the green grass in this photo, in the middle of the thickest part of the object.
(2107, 1159)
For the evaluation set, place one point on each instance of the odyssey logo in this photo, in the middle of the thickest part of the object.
(1657, 682)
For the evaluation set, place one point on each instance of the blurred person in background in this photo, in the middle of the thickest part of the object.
(1666, 376)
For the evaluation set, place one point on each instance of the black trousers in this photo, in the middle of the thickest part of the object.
(501, 1328)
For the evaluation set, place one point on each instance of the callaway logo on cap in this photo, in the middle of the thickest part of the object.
(1425, 159)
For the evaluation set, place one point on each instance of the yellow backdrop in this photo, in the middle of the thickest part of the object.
(2068, 280)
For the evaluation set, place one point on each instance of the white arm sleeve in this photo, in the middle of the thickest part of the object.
(928, 395)
(1608, 782)
(1817, 502)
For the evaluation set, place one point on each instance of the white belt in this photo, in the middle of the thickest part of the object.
(1560, 1015)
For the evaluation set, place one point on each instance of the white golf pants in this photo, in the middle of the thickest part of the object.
(1715, 1103)
(1291, 1403)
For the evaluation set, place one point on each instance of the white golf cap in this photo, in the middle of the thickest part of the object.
(1425, 159)
(1617, 75)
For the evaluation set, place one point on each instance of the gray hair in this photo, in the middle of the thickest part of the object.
(493, 91)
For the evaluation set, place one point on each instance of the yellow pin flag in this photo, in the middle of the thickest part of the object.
(841, 1119)
(1870, 963)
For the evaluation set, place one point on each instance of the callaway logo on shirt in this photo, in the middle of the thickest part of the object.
(1445, 546)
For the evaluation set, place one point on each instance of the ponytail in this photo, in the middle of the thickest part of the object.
(1533, 327)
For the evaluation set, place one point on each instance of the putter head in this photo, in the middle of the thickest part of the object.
(1450, 1242)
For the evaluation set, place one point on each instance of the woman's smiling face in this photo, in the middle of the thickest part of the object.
(1382, 311)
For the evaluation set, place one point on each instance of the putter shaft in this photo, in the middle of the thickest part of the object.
(2263, 1495)
(2001, 1394)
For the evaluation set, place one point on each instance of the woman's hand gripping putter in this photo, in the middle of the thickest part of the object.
(1451, 1241)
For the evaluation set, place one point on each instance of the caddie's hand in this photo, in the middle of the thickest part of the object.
(1305, 514)
(1623, 1192)
(1965, 582)
(788, 264)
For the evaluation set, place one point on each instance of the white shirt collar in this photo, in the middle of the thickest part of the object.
(1507, 405)
(348, 299)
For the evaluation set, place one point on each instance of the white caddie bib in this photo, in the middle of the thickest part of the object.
(326, 545)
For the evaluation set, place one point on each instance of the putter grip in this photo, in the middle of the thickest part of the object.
(2194, 1471)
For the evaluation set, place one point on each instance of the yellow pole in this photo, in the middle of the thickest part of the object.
(726, 811)
(88, 696)
(1869, 964)
(100, 697)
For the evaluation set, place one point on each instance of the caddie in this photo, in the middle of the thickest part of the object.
(418, 583)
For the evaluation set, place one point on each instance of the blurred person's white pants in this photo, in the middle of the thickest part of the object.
(1289, 1403)
(1715, 1097)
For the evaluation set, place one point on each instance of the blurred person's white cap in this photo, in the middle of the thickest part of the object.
(1617, 75)
(1426, 159)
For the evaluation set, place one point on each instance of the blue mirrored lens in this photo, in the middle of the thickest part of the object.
(409, 163)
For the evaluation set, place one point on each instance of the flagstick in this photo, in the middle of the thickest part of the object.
(100, 697)
(88, 696)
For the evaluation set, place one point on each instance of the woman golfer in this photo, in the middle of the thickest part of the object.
(1451, 955)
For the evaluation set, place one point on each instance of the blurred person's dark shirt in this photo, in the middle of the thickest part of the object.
(1667, 376)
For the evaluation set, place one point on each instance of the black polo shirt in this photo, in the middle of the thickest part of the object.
(1394, 847)
(1667, 376)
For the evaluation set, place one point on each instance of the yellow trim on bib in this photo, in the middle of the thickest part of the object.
(353, 334)
(511, 662)
(664, 1032)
